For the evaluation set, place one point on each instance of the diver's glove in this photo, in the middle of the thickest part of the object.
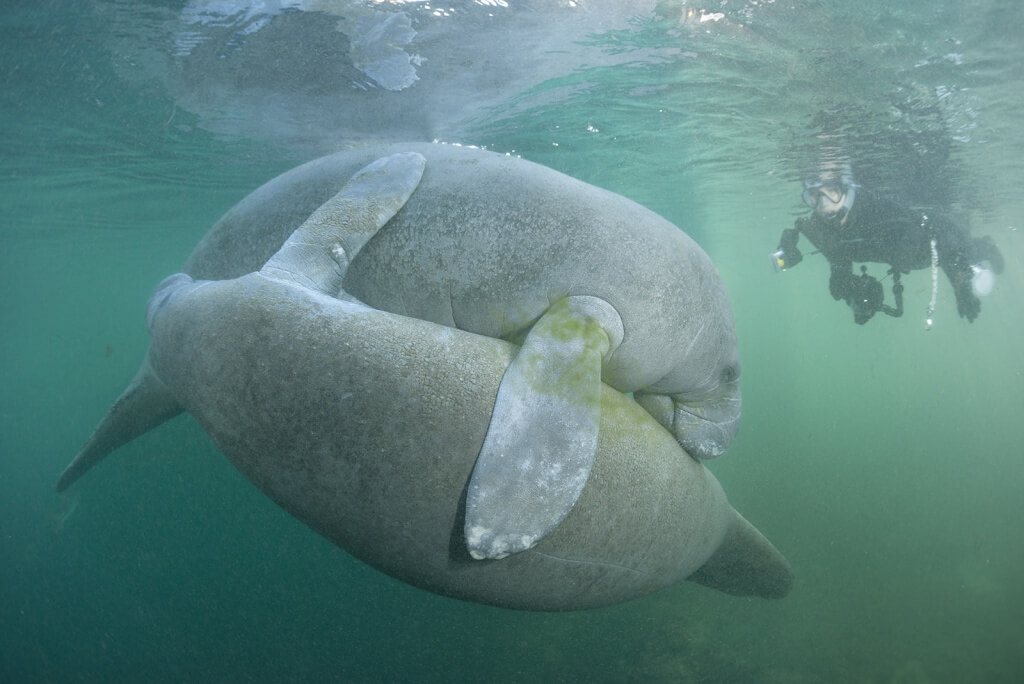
(787, 255)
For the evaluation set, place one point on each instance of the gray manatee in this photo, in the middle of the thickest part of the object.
(499, 246)
(483, 204)
(366, 425)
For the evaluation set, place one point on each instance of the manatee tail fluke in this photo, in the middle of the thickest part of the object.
(746, 564)
(145, 404)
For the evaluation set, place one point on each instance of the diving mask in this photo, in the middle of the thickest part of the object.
(824, 198)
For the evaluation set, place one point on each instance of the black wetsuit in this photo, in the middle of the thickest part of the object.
(877, 230)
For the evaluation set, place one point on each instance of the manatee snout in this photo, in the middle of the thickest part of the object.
(704, 426)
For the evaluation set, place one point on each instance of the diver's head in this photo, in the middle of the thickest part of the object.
(826, 199)
(829, 199)
(831, 192)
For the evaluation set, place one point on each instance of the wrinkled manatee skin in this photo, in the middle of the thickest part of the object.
(526, 235)
(384, 477)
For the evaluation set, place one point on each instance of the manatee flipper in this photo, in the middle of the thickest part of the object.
(317, 254)
(542, 438)
(145, 404)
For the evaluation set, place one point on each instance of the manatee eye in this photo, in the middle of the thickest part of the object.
(729, 374)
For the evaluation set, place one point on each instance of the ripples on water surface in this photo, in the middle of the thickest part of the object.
(882, 460)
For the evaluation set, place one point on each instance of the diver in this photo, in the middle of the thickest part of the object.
(850, 225)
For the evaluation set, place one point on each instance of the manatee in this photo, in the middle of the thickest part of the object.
(504, 248)
(366, 425)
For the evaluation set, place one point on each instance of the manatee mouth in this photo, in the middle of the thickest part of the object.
(704, 428)
(704, 434)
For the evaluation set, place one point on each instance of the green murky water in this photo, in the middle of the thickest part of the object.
(883, 460)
